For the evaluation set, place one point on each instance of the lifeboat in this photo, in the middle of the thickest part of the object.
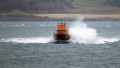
(61, 35)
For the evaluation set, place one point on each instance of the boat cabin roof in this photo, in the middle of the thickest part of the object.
(61, 26)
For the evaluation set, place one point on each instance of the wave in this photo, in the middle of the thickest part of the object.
(29, 25)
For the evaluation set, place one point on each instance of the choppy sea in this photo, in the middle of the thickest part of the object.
(93, 44)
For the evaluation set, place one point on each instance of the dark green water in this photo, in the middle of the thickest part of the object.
(30, 45)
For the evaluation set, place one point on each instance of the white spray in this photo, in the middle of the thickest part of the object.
(81, 33)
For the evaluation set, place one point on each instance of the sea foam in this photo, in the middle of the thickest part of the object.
(28, 40)
(81, 33)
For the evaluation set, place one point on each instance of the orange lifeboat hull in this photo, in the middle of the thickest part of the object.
(61, 34)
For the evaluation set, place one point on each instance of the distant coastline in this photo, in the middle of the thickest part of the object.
(65, 17)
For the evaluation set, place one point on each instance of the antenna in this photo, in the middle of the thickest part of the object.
(65, 23)
(61, 21)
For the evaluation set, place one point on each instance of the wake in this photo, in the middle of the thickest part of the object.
(29, 40)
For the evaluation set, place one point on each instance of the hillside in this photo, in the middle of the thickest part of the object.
(61, 6)
(34, 5)
(94, 5)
